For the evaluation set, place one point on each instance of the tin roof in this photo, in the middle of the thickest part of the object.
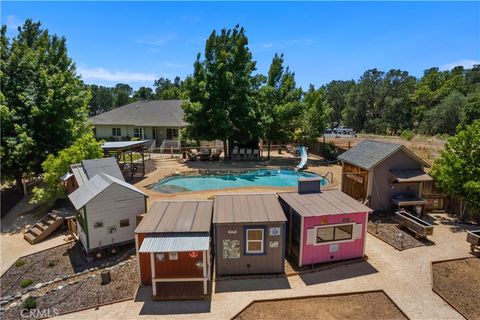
(89, 190)
(79, 173)
(327, 202)
(119, 145)
(410, 175)
(169, 216)
(246, 208)
(108, 166)
(179, 242)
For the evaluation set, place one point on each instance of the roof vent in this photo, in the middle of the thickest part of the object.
(309, 185)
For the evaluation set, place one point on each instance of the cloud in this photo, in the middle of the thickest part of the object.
(173, 65)
(114, 76)
(467, 64)
(263, 46)
(156, 41)
(13, 22)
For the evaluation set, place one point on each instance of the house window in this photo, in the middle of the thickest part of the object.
(116, 132)
(173, 256)
(98, 224)
(172, 133)
(138, 133)
(335, 233)
(124, 223)
(255, 241)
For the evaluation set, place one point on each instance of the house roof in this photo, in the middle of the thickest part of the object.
(368, 153)
(246, 208)
(179, 242)
(156, 113)
(91, 188)
(410, 175)
(328, 202)
(177, 216)
(79, 173)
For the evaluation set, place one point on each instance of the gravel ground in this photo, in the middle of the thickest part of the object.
(87, 293)
(372, 305)
(458, 282)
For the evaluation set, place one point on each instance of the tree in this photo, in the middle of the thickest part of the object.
(168, 90)
(221, 90)
(121, 94)
(279, 103)
(102, 99)
(457, 170)
(143, 93)
(336, 94)
(316, 112)
(54, 167)
(472, 108)
(44, 104)
(444, 117)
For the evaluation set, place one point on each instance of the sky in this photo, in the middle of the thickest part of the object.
(138, 42)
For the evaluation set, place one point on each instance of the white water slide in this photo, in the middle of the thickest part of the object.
(303, 158)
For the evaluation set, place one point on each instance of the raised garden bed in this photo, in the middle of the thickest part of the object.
(473, 237)
(361, 305)
(420, 227)
(384, 227)
(458, 283)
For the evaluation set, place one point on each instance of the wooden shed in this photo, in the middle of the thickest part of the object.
(323, 226)
(249, 234)
(173, 249)
(107, 208)
(384, 175)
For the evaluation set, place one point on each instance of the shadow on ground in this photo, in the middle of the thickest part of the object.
(251, 285)
(340, 273)
(151, 307)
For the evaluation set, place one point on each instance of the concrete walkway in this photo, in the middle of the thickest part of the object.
(404, 275)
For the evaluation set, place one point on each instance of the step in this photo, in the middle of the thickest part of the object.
(35, 231)
(29, 237)
(43, 225)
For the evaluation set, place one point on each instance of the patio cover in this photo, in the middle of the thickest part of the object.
(176, 243)
(410, 175)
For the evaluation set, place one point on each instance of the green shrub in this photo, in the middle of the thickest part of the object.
(30, 303)
(135, 139)
(329, 151)
(407, 135)
(19, 263)
(25, 283)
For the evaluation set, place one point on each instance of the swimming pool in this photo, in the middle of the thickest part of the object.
(264, 177)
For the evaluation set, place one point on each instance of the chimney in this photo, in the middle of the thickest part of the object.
(309, 185)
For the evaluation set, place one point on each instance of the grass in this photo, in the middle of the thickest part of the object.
(30, 303)
(25, 283)
(19, 263)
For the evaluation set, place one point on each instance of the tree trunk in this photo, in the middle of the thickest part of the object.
(226, 150)
(19, 184)
(269, 146)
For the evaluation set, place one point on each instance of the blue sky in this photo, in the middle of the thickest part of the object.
(136, 42)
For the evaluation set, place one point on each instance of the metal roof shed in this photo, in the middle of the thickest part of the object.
(173, 246)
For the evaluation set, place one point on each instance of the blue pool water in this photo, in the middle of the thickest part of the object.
(264, 177)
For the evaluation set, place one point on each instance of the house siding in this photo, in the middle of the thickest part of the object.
(112, 205)
(105, 131)
(382, 190)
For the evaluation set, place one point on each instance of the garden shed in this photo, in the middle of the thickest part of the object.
(386, 175)
(323, 226)
(107, 208)
(249, 234)
(173, 249)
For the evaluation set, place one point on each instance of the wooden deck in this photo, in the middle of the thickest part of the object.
(191, 290)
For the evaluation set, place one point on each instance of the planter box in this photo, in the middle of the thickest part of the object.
(473, 237)
(417, 225)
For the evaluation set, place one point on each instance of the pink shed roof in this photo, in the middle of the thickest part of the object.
(327, 202)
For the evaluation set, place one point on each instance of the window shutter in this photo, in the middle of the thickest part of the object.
(311, 236)
(357, 231)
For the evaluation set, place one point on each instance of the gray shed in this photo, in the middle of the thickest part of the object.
(249, 234)
(385, 175)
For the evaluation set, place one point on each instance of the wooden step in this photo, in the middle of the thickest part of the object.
(35, 231)
(43, 228)
(29, 237)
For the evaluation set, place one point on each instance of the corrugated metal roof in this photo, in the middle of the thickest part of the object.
(327, 202)
(109, 145)
(410, 175)
(180, 242)
(79, 173)
(108, 166)
(94, 186)
(177, 216)
(246, 208)
(156, 113)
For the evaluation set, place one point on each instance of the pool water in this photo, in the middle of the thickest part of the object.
(264, 177)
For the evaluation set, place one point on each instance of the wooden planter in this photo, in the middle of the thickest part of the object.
(473, 237)
(417, 225)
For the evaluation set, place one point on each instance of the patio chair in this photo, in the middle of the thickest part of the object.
(241, 154)
(191, 156)
(204, 154)
(235, 153)
(256, 154)
(216, 154)
(248, 154)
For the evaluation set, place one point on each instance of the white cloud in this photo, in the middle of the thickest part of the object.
(281, 44)
(13, 22)
(103, 74)
(156, 41)
(467, 64)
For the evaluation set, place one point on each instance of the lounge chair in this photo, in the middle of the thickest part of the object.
(241, 154)
(235, 153)
(204, 154)
(248, 154)
(216, 154)
(256, 154)
(191, 154)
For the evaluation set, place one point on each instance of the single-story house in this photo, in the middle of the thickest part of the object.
(157, 120)
(107, 208)
(249, 234)
(386, 175)
(323, 226)
(173, 249)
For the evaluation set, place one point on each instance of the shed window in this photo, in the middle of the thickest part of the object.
(335, 233)
(138, 133)
(124, 223)
(116, 132)
(255, 241)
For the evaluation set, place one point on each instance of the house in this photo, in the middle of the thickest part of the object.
(173, 249)
(249, 234)
(107, 208)
(157, 120)
(388, 175)
(323, 226)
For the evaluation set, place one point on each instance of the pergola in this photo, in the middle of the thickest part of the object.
(121, 150)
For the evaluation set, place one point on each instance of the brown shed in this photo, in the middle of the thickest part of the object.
(249, 234)
(388, 175)
(173, 248)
